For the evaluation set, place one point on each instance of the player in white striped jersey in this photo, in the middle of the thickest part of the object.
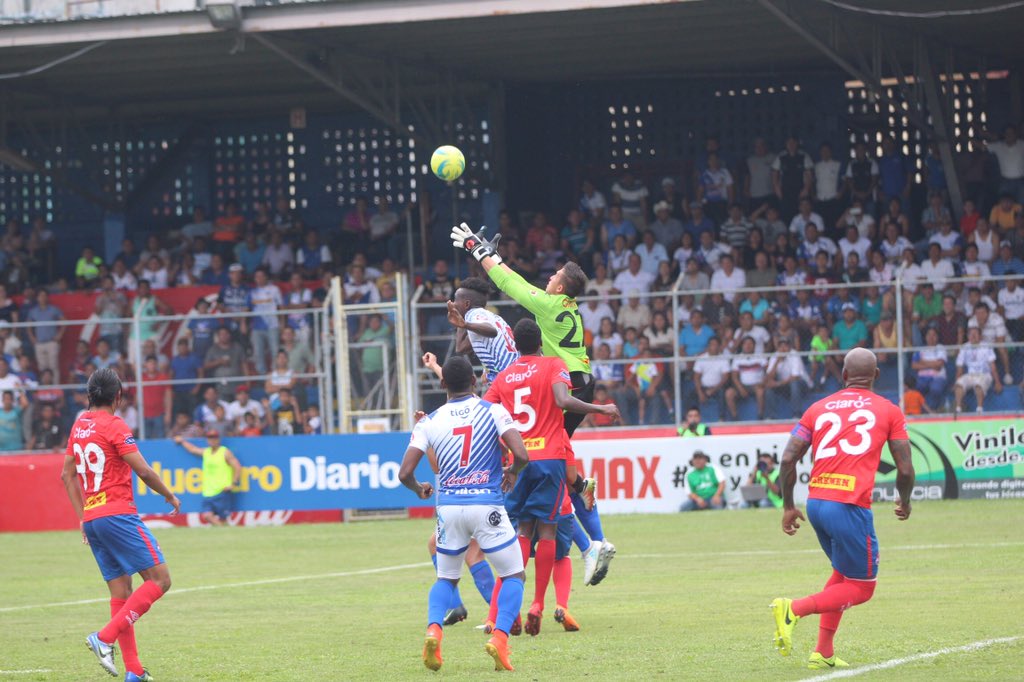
(465, 434)
(480, 330)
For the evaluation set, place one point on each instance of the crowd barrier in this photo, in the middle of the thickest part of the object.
(311, 478)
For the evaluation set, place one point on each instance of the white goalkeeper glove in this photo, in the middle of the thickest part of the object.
(477, 245)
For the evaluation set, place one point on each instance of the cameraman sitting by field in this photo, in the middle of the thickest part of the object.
(766, 474)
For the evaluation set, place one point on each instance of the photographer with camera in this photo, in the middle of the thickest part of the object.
(706, 484)
(766, 474)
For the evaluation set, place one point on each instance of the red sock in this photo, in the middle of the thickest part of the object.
(543, 565)
(829, 622)
(136, 606)
(562, 577)
(126, 641)
(524, 546)
(492, 614)
(837, 596)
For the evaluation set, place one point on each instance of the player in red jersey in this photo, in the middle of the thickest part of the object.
(535, 389)
(845, 432)
(100, 458)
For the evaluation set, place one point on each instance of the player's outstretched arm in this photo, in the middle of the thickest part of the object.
(145, 472)
(458, 320)
(407, 474)
(795, 450)
(900, 450)
(430, 362)
(565, 401)
(189, 447)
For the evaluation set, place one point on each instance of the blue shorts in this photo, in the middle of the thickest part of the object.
(847, 534)
(122, 545)
(538, 493)
(220, 504)
(563, 537)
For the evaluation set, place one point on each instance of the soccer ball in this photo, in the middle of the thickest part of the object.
(447, 162)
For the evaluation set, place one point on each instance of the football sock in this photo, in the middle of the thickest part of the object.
(544, 563)
(579, 484)
(562, 577)
(838, 596)
(591, 521)
(524, 545)
(484, 579)
(456, 597)
(510, 601)
(129, 652)
(828, 623)
(439, 602)
(492, 613)
(579, 536)
(134, 608)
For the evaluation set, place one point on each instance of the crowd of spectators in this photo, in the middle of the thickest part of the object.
(806, 225)
(787, 220)
(241, 362)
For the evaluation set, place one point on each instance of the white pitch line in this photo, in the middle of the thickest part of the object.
(25, 672)
(885, 665)
(248, 583)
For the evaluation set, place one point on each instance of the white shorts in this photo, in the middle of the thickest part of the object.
(971, 381)
(457, 524)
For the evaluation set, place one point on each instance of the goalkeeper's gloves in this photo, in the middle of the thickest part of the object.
(477, 245)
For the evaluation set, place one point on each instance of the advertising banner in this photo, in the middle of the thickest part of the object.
(291, 472)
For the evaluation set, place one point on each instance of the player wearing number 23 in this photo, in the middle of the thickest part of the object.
(101, 456)
(845, 433)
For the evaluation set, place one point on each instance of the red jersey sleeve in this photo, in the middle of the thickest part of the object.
(897, 425)
(121, 437)
(492, 395)
(560, 374)
(804, 429)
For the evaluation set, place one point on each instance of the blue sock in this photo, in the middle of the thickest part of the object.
(590, 519)
(484, 579)
(510, 601)
(580, 537)
(456, 597)
(437, 604)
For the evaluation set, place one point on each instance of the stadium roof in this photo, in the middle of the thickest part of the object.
(171, 64)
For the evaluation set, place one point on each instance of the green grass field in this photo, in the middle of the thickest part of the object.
(686, 598)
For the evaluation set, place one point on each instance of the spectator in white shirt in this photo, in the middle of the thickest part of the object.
(651, 253)
(937, 269)
(123, 278)
(993, 332)
(728, 278)
(894, 244)
(853, 242)
(1010, 154)
(636, 313)
(949, 242)
(711, 372)
(279, 256)
(930, 365)
(787, 376)
(592, 203)
(709, 252)
(608, 336)
(748, 374)
(975, 370)
(593, 311)
(1011, 304)
(972, 267)
(857, 217)
(633, 278)
(748, 329)
(806, 215)
(618, 255)
(826, 186)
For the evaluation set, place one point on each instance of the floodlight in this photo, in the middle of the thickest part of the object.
(224, 15)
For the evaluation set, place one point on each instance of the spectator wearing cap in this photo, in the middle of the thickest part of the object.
(1007, 263)
(705, 485)
(671, 195)
(850, 332)
(592, 202)
(222, 475)
(667, 229)
(651, 253)
(975, 370)
(698, 223)
(787, 376)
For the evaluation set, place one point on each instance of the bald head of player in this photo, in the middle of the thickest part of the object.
(472, 293)
(457, 376)
(860, 368)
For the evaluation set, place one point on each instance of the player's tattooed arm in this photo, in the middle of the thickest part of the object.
(900, 450)
(565, 401)
(795, 450)
(407, 473)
